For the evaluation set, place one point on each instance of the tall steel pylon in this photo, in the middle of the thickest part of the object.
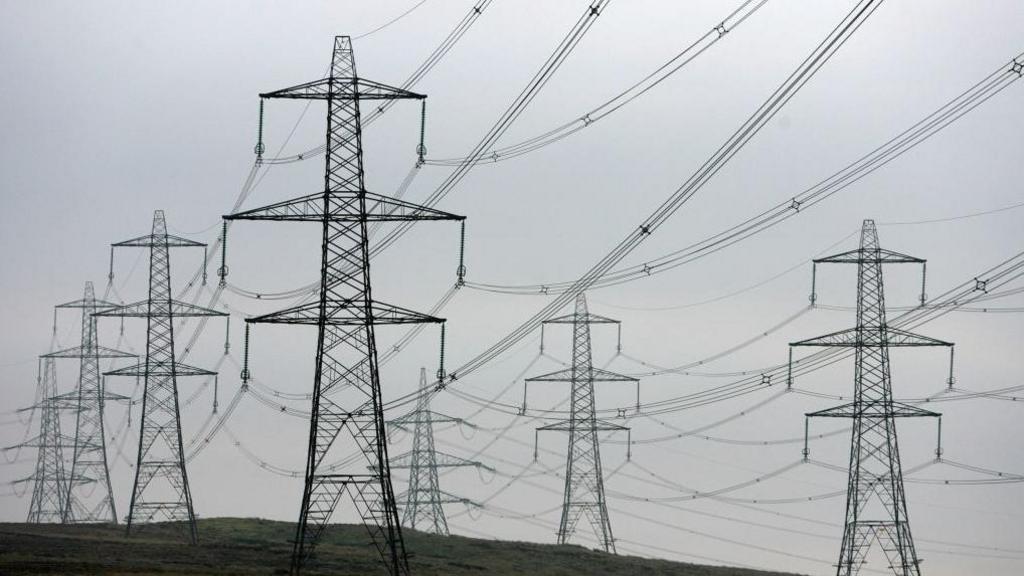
(584, 481)
(161, 490)
(90, 497)
(424, 498)
(346, 382)
(49, 480)
(876, 505)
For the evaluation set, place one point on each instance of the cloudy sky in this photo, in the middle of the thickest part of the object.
(114, 109)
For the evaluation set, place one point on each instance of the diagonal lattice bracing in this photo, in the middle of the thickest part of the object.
(161, 491)
(876, 505)
(345, 315)
(424, 499)
(49, 479)
(584, 482)
(90, 497)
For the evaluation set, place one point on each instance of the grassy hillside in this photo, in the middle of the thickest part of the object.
(252, 546)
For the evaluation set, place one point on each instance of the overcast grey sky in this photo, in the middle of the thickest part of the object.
(113, 109)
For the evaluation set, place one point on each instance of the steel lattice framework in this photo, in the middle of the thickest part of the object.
(346, 382)
(876, 505)
(424, 498)
(161, 490)
(584, 482)
(90, 495)
(49, 481)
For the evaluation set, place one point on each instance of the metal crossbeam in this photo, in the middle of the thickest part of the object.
(85, 350)
(347, 88)
(161, 491)
(90, 496)
(175, 308)
(343, 206)
(584, 480)
(876, 506)
(49, 480)
(424, 498)
(873, 336)
(345, 315)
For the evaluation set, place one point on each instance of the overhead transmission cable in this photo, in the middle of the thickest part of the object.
(993, 84)
(392, 21)
(424, 68)
(634, 91)
(993, 278)
(804, 72)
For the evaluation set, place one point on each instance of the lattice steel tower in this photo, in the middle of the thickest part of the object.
(876, 506)
(584, 482)
(161, 490)
(49, 481)
(90, 497)
(346, 382)
(424, 498)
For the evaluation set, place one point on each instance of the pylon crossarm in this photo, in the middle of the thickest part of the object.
(98, 352)
(874, 410)
(345, 313)
(871, 336)
(151, 240)
(111, 397)
(441, 498)
(449, 461)
(869, 256)
(178, 369)
(422, 418)
(33, 442)
(84, 303)
(408, 422)
(566, 375)
(899, 337)
(384, 209)
(588, 318)
(178, 309)
(344, 206)
(443, 461)
(566, 426)
(62, 402)
(449, 498)
(343, 89)
(400, 461)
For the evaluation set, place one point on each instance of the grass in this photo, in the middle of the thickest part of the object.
(254, 546)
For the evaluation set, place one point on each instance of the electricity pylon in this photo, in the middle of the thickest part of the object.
(584, 482)
(876, 506)
(346, 382)
(90, 497)
(161, 490)
(424, 498)
(49, 481)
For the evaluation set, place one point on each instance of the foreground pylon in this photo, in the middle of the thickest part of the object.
(161, 490)
(584, 482)
(876, 506)
(90, 497)
(346, 382)
(424, 498)
(49, 481)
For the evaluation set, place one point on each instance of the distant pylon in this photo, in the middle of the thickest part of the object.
(424, 498)
(161, 456)
(584, 482)
(49, 481)
(90, 497)
(346, 381)
(876, 506)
